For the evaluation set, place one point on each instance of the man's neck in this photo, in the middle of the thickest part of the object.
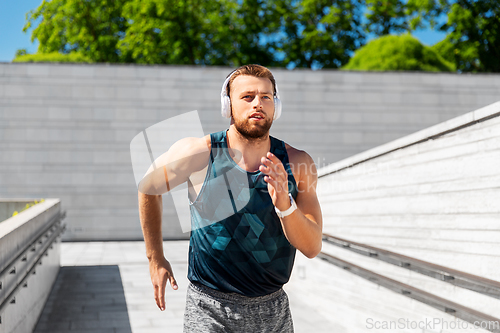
(245, 151)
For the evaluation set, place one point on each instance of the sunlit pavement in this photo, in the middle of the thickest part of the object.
(105, 287)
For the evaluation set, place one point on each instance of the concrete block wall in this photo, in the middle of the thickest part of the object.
(65, 129)
(432, 195)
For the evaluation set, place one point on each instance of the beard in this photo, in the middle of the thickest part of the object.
(252, 131)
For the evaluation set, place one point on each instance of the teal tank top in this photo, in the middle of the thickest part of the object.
(237, 242)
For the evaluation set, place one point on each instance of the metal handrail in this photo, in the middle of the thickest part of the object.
(55, 219)
(46, 238)
(465, 313)
(458, 278)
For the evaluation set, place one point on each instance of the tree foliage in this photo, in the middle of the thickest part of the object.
(199, 32)
(252, 34)
(203, 32)
(423, 13)
(321, 33)
(398, 53)
(473, 39)
(302, 33)
(91, 27)
(473, 31)
(290, 33)
(52, 57)
(168, 31)
(384, 17)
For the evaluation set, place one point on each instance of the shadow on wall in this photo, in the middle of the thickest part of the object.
(86, 299)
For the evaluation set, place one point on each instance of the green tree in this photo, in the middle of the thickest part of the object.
(253, 33)
(21, 52)
(165, 31)
(321, 33)
(295, 33)
(397, 53)
(91, 27)
(386, 16)
(51, 57)
(424, 13)
(446, 50)
(225, 32)
(473, 39)
(199, 32)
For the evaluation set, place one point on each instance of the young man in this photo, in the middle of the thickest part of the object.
(241, 256)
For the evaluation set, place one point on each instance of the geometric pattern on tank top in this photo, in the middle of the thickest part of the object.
(246, 250)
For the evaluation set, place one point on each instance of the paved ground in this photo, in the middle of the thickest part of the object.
(105, 287)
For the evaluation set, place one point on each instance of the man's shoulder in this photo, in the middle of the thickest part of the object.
(297, 156)
(301, 163)
(303, 168)
(193, 145)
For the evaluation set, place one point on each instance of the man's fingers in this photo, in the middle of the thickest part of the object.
(276, 161)
(272, 172)
(273, 165)
(273, 183)
(270, 178)
(173, 283)
(161, 273)
(161, 292)
(157, 296)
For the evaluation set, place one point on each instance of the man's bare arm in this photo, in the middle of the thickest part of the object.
(171, 169)
(303, 228)
(174, 167)
(150, 211)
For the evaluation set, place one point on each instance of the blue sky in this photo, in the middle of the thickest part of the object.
(13, 18)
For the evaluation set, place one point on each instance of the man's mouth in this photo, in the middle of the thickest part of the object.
(256, 116)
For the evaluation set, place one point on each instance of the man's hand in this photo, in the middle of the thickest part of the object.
(302, 228)
(161, 272)
(277, 181)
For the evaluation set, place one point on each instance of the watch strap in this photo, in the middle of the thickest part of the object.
(289, 211)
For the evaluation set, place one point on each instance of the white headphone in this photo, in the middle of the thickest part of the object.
(226, 101)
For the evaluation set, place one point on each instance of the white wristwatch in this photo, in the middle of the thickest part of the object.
(289, 211)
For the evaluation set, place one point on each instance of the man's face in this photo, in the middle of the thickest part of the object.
(252, 105)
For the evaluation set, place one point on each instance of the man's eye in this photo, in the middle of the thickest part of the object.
(267, 97)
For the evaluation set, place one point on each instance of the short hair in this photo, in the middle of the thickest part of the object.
(252, 70)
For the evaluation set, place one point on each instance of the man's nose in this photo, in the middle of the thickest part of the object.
(257, 102)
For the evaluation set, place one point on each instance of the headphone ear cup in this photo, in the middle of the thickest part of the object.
(277, 108)
(226, 107)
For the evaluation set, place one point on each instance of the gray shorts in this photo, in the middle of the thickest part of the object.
(209, 310)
